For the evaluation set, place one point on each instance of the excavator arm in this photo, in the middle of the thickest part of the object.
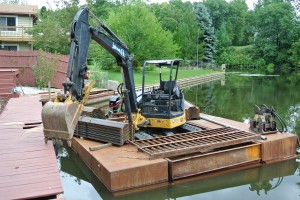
(60, 117)
(81, 34)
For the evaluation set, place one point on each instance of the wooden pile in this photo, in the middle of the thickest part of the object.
(191, 111)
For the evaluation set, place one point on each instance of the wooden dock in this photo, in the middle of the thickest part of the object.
(28, 167)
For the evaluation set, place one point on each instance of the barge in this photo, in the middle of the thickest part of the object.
(226, 146)
(211, 147)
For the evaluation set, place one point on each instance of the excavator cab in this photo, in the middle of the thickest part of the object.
(163, 106)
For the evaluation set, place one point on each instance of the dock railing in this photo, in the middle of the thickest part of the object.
(188, 82)
(15, 33)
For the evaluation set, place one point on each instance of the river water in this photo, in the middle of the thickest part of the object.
(233, 98)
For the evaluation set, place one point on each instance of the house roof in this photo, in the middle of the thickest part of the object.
(18, 9)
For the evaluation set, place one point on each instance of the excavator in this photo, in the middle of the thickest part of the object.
(161, 108)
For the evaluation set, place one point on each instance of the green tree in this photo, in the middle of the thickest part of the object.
(142, 32)
(52, 31)
(166, 15)
(294, 3)
(223, 42)
(205, 24)
(179, 18)
(237, 17)
(45, 69)
(275, 32)
(236, 57)
(100, 8)
(249, 28)
(218, 10)
(295, 53)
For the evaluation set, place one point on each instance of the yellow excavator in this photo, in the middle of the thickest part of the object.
(161, 108)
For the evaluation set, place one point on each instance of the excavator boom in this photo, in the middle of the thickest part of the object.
(61, 116)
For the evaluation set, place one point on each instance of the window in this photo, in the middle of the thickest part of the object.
(9, 47)
(7, 21)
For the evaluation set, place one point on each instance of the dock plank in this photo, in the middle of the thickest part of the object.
(28, 166)
(21, 180)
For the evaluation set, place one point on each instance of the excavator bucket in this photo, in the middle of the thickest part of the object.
(60, 120)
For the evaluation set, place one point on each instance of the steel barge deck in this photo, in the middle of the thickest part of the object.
(153, 162)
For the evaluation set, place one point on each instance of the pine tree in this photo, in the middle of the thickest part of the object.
(209, 38)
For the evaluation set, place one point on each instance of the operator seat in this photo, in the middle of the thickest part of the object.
(174, 88)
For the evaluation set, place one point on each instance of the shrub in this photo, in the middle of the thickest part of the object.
(150, 68)
(45, 68)
(270, 68)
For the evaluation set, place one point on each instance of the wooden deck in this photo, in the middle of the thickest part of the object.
(28, 166)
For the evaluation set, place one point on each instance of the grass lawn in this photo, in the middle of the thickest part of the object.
(152, 77)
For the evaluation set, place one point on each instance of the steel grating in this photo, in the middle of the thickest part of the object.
(104, 130)
(191, 142)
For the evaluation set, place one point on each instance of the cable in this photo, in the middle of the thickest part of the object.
(121, 93)
(279, 181)
(120, 89)
(283, 125)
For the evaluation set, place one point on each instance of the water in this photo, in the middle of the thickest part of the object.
(235, 97)
(231, 98)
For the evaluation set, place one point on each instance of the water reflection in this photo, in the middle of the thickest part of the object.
(236, 98)
(293, 117)
(264, 185)
(80, 183)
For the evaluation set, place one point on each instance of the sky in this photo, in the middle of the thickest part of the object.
(41, 3)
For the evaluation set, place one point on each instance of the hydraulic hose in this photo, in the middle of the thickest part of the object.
(121, 93)
(283, 125)
(120, 89)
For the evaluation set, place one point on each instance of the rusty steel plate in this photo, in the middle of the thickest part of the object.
(192, 142)
(190, 165)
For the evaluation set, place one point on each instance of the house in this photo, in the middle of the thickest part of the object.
(15, 21)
